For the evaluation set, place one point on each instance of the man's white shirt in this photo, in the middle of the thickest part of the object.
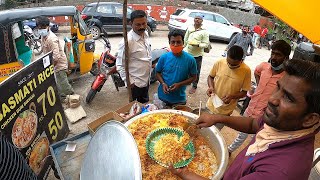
(140, 59)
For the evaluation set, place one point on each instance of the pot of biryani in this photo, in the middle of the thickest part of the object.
(183, 108)
(162, 140)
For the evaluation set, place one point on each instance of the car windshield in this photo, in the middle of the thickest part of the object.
(119, 10)
(87, 9)
(206, 16)
(178, 12)
(220, 19)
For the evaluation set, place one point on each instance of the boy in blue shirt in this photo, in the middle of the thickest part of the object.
(175, 70)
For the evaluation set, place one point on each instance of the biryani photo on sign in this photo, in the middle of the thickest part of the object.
(24, 129)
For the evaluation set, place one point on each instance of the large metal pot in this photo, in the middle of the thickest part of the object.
(213, 135)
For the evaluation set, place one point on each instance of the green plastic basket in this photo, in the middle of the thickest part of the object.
(155, 135)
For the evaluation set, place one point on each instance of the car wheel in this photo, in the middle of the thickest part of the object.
(95, 31)
(149, 30)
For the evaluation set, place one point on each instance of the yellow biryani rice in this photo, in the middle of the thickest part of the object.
(204, 162)
(169, 149)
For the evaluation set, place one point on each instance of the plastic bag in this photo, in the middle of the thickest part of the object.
(157, 101)
(148, 108)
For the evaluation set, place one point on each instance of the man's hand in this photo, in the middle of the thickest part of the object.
(210, 91)
(185, 174)
(165, 88)
(179, 171)
(174, 87)
(227, 99)
(206, 120)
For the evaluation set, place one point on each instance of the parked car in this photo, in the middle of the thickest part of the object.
(109, 15)
(217, 26)
(32, 24)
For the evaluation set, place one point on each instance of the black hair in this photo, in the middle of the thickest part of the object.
(137, 14)
(310, 72)
(282, 46)
(42, 21)
(175, 33)
(235, 53)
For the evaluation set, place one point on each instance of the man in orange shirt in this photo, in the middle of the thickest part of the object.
(267, 75)
(256, 34)
(263, 38)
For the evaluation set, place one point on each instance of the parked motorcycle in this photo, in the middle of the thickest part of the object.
(32, 41)
(106, 67)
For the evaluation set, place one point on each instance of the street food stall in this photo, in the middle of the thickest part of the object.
(70, 163)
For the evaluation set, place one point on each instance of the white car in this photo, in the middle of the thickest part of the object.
(217, 26)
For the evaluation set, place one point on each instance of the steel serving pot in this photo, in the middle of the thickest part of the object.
(212, 134)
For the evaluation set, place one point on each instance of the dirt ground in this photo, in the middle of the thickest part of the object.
(109, 99)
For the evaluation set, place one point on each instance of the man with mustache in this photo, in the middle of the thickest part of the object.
(267, 75)
(284, 144)
(175, 70)
(139, 57)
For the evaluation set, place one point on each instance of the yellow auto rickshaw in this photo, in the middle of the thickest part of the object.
(15, 49)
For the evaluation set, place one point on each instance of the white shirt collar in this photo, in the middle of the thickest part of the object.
(137, 37)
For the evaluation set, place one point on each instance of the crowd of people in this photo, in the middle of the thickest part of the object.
(283, 111)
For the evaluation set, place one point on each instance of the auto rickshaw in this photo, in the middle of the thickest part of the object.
(15, 53)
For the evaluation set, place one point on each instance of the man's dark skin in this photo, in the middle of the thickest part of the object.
(276, 59)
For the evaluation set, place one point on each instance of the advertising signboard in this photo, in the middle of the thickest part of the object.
(31, 115)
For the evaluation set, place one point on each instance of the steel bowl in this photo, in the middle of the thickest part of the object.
(212, 134)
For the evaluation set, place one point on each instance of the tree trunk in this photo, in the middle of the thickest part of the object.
(126, 48)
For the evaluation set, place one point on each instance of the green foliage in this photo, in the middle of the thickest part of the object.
(281, 30)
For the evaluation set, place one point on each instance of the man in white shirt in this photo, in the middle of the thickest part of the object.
(139, 57)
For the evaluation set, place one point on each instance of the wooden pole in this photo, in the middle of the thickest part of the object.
(126, 48)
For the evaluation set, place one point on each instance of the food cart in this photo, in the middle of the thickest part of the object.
(68, 163)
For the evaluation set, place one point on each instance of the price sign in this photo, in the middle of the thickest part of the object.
(31, 114)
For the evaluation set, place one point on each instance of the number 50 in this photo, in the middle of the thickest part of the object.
(55, 125)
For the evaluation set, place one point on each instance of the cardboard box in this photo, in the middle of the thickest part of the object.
(94, 125)
(126, 109)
